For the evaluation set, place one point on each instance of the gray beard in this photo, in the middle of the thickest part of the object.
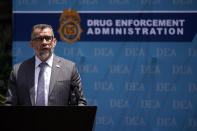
(44, 55)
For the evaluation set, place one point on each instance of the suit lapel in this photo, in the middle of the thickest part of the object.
(31, 72)
(54, 73)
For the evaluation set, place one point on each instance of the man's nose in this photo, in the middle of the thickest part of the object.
(44, 41)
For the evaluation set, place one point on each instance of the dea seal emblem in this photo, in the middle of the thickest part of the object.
(70, 29)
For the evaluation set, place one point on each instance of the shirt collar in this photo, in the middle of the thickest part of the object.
(49, 61)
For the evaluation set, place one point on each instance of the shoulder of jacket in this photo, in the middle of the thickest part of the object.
(24, 63)
(65, 60)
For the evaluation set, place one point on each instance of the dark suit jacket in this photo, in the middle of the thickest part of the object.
(65, 84)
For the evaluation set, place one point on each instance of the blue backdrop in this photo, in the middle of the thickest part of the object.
(137, 58)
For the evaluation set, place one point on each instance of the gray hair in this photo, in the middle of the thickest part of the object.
(40, 26)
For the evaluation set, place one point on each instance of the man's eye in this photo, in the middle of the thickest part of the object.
(47, 38)
(40, 38)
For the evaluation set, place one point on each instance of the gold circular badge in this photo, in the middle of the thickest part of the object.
(70, 29)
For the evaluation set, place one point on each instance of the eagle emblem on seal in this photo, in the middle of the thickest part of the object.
(70, 29)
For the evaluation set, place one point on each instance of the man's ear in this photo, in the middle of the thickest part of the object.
(54, 42)
(31, 44)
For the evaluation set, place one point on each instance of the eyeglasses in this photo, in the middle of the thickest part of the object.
(41, 38)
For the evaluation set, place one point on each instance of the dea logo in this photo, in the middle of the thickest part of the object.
(70, 29)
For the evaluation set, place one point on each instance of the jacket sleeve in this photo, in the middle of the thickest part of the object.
(11, 97)
(76, 94)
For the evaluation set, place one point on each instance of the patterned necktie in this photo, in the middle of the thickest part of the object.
(40, 100)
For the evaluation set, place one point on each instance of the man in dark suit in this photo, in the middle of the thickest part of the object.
(62, 82)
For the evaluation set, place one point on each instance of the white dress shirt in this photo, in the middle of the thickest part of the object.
(47, 76)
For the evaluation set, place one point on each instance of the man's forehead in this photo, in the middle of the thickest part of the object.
(38, 30)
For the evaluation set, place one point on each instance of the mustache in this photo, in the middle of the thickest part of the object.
(46, 47)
